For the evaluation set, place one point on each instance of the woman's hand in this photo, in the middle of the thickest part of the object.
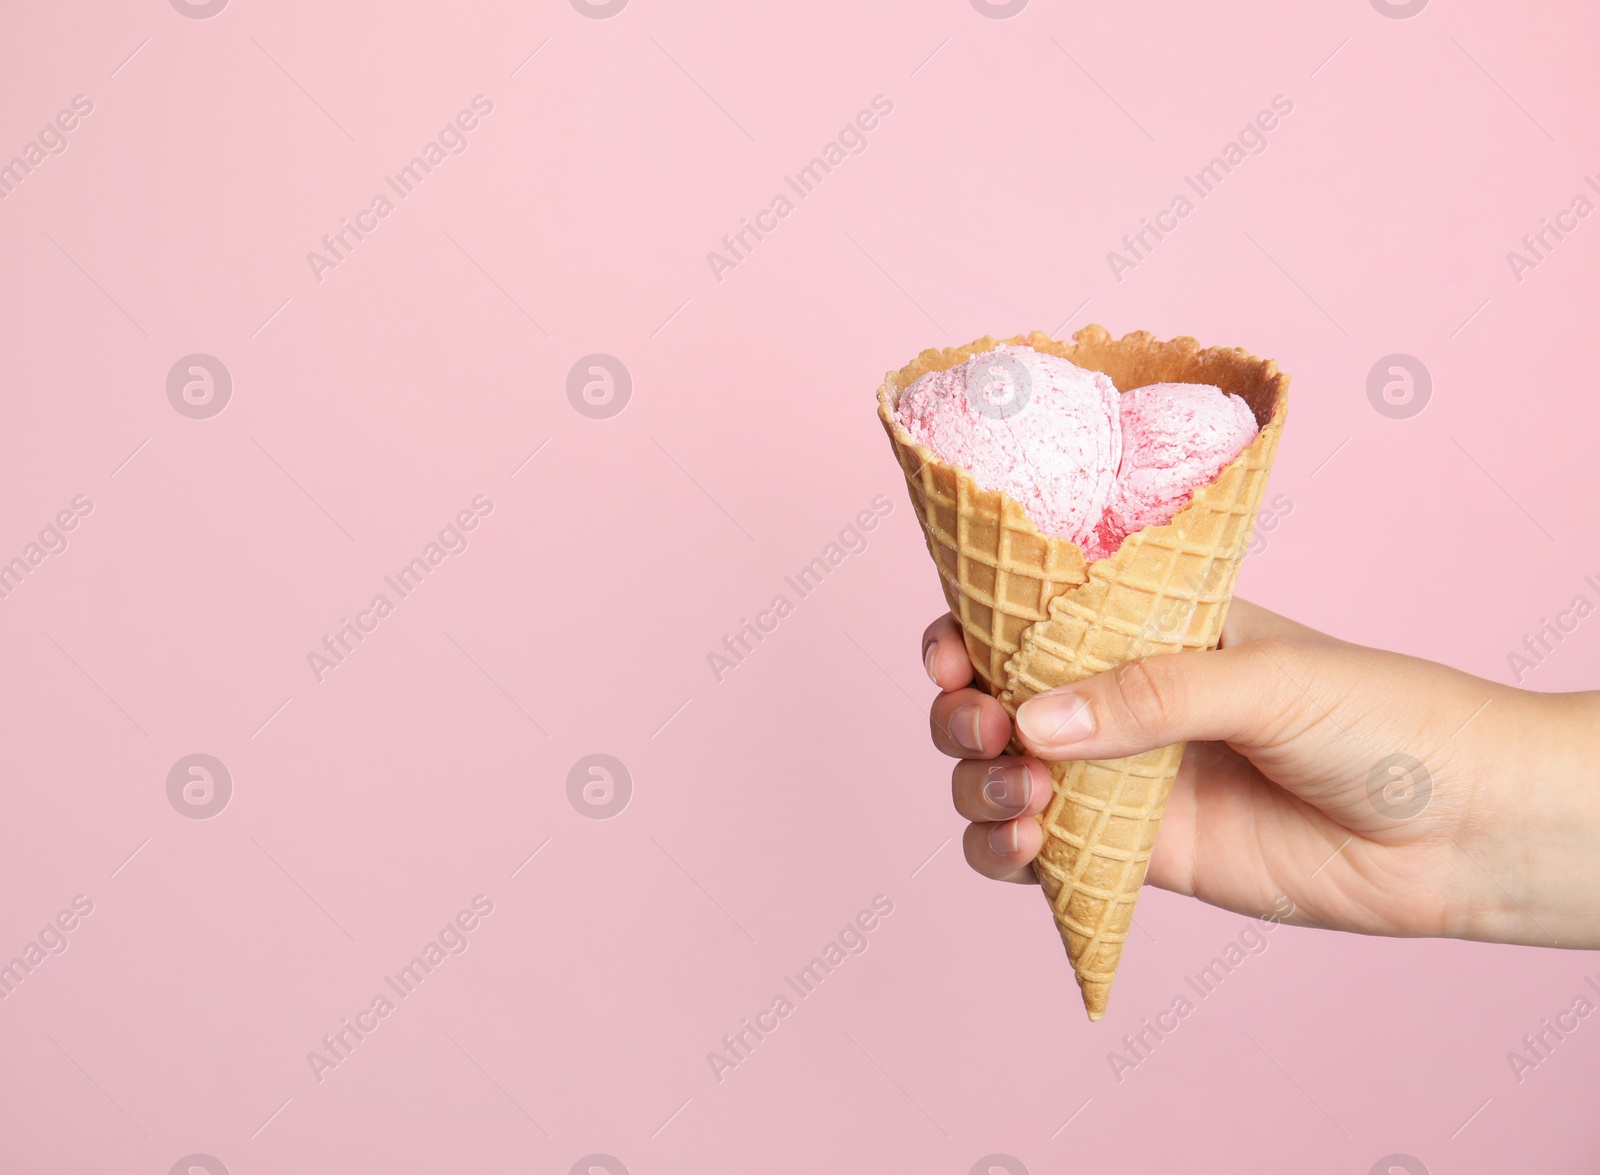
(1382, 794)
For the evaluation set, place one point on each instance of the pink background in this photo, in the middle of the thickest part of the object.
(371, 406)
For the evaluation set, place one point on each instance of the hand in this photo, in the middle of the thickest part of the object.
(1381, 793)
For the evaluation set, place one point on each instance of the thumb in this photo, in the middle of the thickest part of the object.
(1236, 695)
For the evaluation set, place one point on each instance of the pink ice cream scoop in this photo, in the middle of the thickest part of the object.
(1028, 424)
(1085, 463)
(1175, 439)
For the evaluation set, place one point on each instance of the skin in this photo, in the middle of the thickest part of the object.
(1496, 839)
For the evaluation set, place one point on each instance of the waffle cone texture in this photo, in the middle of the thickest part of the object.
(1036, 614)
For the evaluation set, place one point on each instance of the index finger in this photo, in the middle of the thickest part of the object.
(944, 655)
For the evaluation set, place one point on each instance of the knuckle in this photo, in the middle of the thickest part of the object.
(1273, 661)
(1275, 649)
(1150, 694)
(1285, 685)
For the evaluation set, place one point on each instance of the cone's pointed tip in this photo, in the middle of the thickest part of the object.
(1096, 995)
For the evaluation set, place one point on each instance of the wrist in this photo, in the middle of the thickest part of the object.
(1532, 834)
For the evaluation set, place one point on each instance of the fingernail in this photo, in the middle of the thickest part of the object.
(1055, 719)
(1008, 788)
(964, 729)
(1003, 839)
(928, 650)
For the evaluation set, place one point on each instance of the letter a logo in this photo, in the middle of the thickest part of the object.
(600, 390)
(599, 386)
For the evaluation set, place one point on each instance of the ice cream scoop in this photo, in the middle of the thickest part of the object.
(1176, 437)
(1085, 463)
(1030, 425)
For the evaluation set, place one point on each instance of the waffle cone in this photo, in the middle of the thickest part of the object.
(1036, 614)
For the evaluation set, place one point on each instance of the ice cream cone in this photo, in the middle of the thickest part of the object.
(1035, 614)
